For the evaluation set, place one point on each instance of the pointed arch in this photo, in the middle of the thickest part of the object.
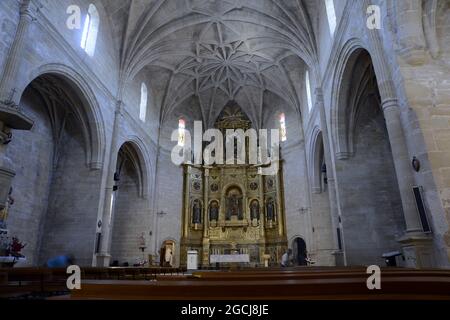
(339, 124)
(134, 149)
(88, 112)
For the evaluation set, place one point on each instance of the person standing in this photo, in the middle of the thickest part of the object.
(285, 258)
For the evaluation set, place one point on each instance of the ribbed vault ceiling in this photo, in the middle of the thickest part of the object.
(214, 50)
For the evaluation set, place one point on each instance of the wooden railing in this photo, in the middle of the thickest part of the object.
(45, 281)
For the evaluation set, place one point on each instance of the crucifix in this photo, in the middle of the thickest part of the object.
(303, 210)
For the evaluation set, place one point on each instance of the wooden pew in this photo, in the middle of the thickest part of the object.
(259, 284)
(44, 281)
(314, 284)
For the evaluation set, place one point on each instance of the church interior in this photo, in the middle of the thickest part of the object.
(97, 98)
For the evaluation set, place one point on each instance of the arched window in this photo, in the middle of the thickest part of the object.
(283, 131)
(90, 30)
(308, 90)
(181, 132)
(143, 104)
(331, 14)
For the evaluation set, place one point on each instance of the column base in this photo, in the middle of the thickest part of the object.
(339, 258)
(418, 250)
(102, 259)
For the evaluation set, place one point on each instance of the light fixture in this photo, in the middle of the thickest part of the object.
(416, 164)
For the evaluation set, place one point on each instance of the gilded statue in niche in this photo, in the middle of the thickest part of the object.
(197, 212)
(254, 210)
(214, 211)
(234, 204)
(270, 210)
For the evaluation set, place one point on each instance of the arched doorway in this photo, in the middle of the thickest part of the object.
(130, 229)
(299, 251)
(372, 214)
(55, 209)
(323, 234)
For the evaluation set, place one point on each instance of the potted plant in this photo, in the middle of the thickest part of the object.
(10, 252)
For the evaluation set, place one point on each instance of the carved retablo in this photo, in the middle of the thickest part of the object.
(242, 211)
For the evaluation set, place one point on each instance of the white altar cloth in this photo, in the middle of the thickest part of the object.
(229, 258)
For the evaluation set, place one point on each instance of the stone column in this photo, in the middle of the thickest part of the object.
(103, 257)
(11, 69)
(402, 164)
(10, 115)
(332, 192)
(154, 203)
(410, 32)
(416, 244)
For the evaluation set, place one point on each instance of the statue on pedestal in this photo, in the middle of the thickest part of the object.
(254, 210)
(142, 247)
(270, 210)
(168, 257)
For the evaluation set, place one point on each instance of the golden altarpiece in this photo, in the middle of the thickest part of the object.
(231, 209)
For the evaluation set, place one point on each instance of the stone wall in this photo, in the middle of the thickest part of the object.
(9, 17)
(31, 186)
(169, 195)
(427, 94)
(371, 207)
(73, 203)
(57, 206)
(130, 219)
(56, 195)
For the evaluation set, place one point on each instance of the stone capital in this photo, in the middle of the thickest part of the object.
(389, 103)
(29, 8)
